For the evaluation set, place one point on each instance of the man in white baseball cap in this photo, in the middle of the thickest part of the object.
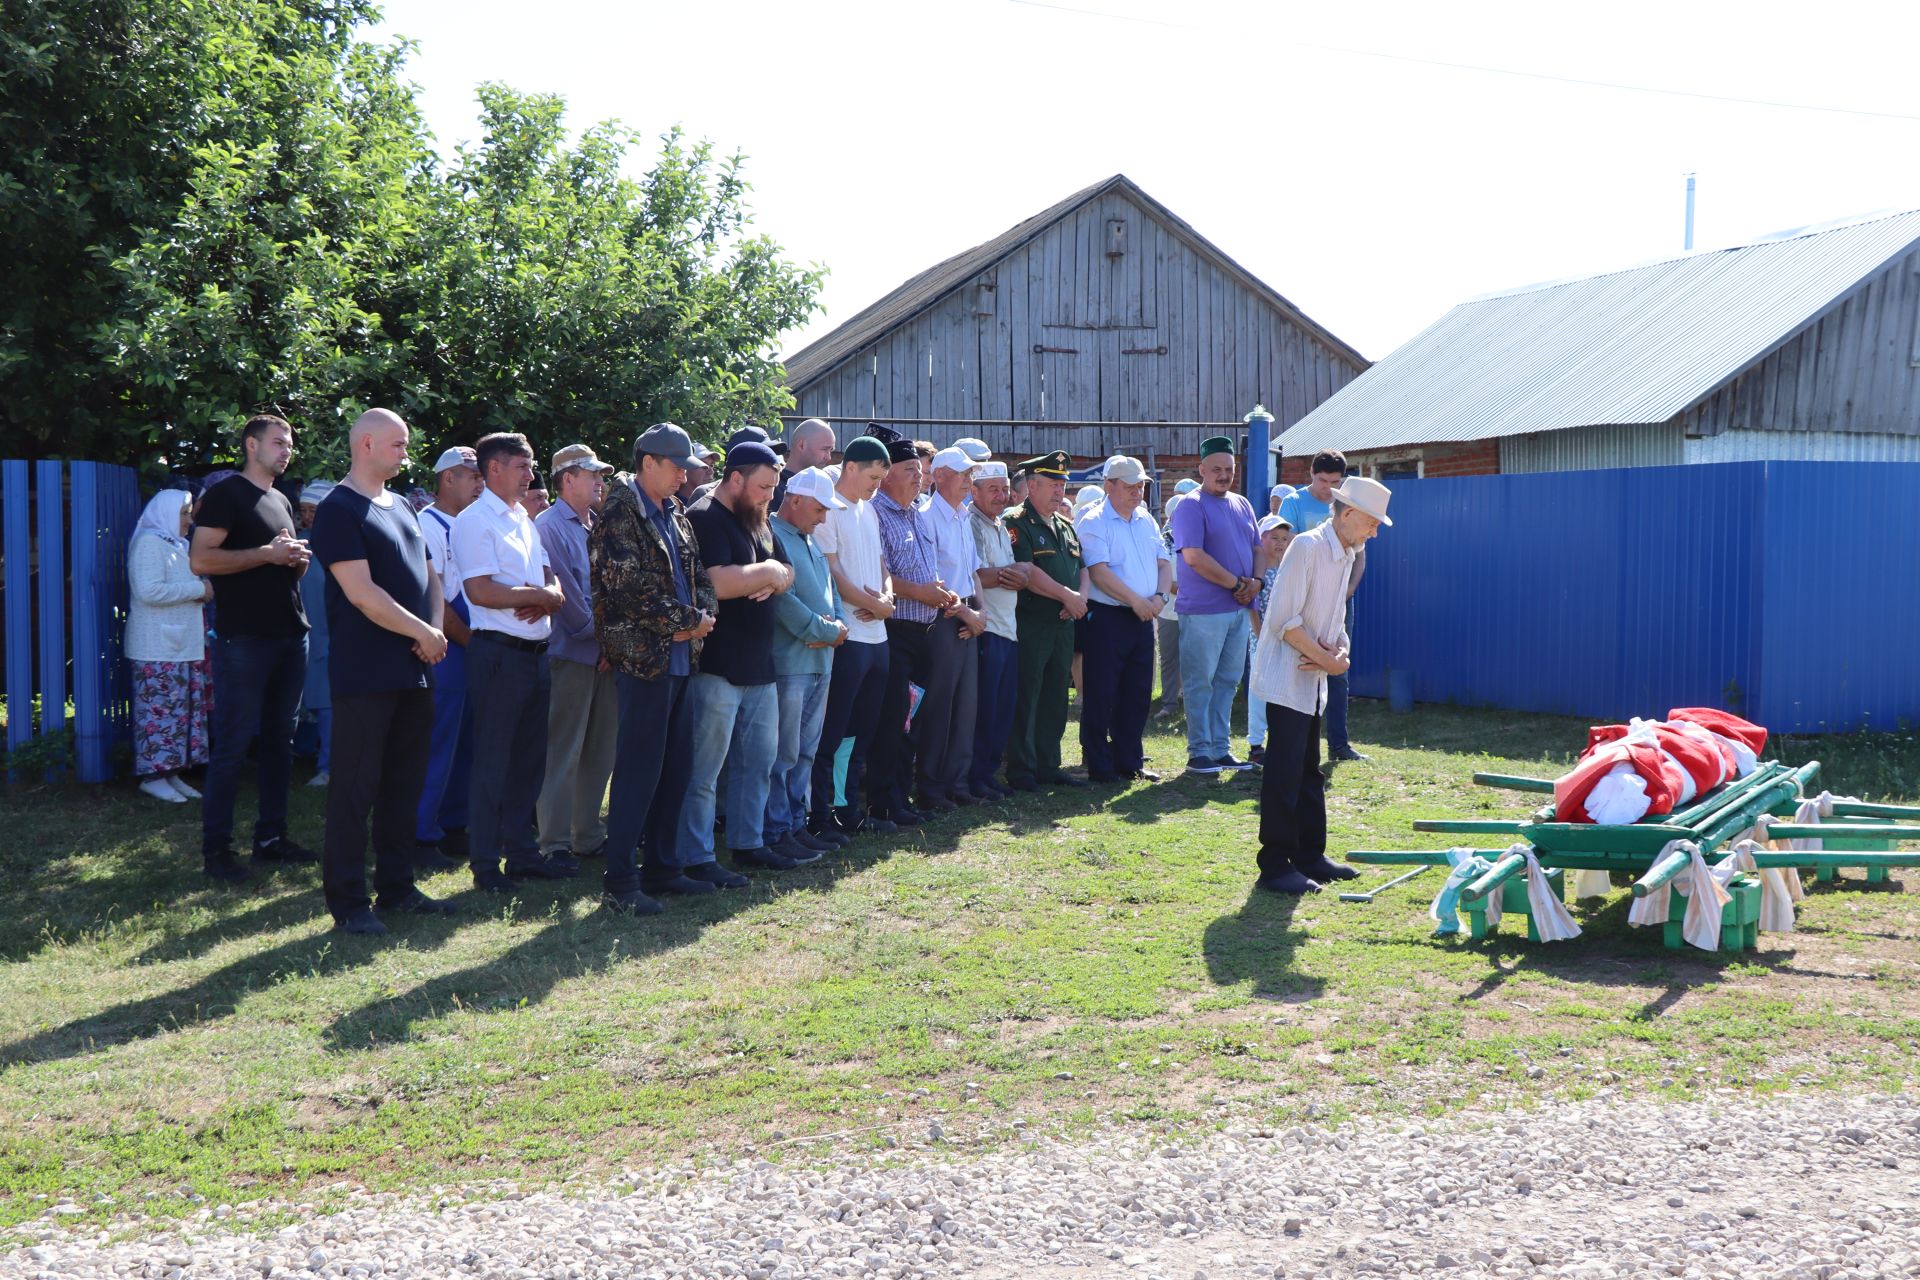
(807, 630)
(1303, 641)
(440, 819)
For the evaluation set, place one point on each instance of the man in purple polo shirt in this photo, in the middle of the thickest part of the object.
(1216, 536)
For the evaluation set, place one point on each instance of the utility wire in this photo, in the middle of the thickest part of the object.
(1495, 71)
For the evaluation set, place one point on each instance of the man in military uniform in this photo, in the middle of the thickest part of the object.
(1054, 598)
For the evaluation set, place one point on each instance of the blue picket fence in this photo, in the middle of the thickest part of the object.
(64, 528)
(1786, 591)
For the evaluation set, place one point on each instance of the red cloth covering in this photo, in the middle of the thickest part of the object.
(1724, 723)
(1662, 776)
(1707, 764)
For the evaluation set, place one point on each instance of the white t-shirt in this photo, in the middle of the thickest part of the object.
(852, 538)
(436, 526)
(493, 540)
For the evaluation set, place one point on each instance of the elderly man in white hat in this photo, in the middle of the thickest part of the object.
(583, 706)
(1130, 572)
(440, 819)
(1303, 641)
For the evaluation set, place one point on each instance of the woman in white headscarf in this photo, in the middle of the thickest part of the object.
(167, 648)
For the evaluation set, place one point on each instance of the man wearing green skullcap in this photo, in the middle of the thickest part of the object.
(1054, 598)
(1216, 538)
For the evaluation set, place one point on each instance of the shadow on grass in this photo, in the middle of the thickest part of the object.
(1256, 944)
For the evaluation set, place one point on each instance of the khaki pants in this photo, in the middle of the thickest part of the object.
(583, 715)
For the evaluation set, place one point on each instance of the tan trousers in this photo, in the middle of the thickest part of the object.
(583, 714)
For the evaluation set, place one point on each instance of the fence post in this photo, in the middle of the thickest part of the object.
(1259, 442)
(53, 601)
(91, 599)
(18, 550)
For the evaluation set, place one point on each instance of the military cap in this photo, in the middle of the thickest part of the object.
(1052, 464)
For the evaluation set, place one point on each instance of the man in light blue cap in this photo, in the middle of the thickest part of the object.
(1167, 627)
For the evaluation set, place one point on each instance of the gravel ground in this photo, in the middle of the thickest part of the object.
(1817, 1188)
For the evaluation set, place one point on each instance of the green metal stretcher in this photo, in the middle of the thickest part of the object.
(1856, 835)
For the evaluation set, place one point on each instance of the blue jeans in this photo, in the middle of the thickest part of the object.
(803, 709)
(1336, 716)
(735, 727)
(444, 798)
(1213, 652)
(257, 682)
(993, 716)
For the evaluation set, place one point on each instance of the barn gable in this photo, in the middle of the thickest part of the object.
(1105, 308)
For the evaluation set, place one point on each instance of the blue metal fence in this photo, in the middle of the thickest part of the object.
(1787, 591)
(63, 542)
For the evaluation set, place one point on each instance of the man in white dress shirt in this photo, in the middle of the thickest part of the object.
(1130, 572)
(440, 819)
(1303, 640)
(511, 597)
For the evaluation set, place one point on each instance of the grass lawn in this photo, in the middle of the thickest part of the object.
(1070, 960)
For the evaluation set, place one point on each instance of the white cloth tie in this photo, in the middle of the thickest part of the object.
(1551, 919)
(1651, 911)
(1619, 798)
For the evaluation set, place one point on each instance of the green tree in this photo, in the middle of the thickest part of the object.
(569, 302)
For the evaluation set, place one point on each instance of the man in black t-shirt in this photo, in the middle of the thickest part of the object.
(734, 705)
(384, 609)
(244, 539)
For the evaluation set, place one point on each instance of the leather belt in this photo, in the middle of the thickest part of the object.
(512, 642)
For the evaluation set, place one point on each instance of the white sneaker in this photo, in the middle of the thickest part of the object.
(179, 784)
(320, 779)
(159, 790)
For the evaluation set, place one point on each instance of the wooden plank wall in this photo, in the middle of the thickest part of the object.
(1157, 334)
(1854, 370)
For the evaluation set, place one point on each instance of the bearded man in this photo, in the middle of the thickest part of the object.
(734, 701)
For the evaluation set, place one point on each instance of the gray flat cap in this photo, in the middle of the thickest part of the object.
(664, 440)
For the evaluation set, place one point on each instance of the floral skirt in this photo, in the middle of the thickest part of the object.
(172, 708)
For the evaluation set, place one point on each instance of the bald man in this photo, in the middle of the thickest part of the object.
(808, 445)
(384, 612)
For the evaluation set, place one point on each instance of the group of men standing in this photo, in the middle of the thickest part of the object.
(784, 657)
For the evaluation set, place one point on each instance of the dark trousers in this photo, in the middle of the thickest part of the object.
(854, 695)
(652, 755)
(1040, 706)
(999, 684)
(446, 793)
(943, 728)
(257, 683)
(380, 743)
(910, 662)
(1293, 793)
(1116, 675)
(507, 688)
(1337, 701)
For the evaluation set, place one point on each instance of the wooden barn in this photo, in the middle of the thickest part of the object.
(1801, 347)
(1100, 324)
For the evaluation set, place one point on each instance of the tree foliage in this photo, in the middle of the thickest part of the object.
(214, 206)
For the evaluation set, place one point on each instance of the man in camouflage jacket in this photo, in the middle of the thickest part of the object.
(653, 605)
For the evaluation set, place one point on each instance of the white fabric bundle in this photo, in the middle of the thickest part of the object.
(1591, 884)
(1445, 908)
(1551, 918)
(1619, 798)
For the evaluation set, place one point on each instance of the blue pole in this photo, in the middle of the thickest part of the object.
(1259, 441)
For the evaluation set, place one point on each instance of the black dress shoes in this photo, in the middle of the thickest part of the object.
(1289, 881)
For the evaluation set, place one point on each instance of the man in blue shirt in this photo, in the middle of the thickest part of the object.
(583, 705)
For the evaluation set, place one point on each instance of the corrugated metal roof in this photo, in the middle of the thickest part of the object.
(924, 290)
(1632, 346)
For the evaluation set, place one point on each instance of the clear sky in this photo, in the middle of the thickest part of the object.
(1319, 145)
